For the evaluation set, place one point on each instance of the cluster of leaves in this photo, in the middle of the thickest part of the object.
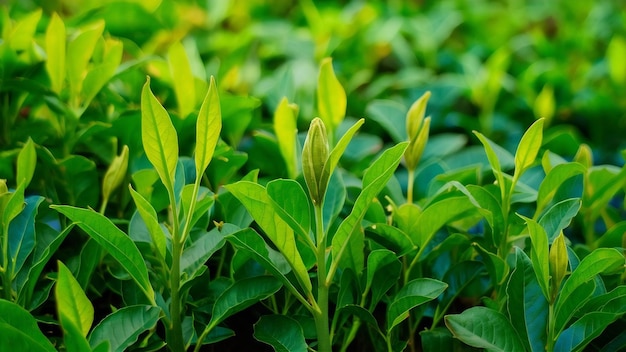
(217, 209)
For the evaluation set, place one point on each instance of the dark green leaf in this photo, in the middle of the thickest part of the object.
(122, 328)
(281, 332)
(413, 294)
(20, 331)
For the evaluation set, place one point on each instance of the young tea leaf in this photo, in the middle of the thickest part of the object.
(413, 294)
(72, 304)
(20, 331)
(208, 127)
(158, 136)
(292, 205)
(331, 97)
(286, 131)
(55, 52)
(528, 147)
(183, 80)
(539, 254)
(115, 173)
(149, 216)
(112, 239)
(26, 162)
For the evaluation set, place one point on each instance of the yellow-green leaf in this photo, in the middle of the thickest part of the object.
(73, 305)
(415, 116)
(615, 53)
(539, 254)
(544, 103)
(24, 31)
(79, 52)
(182, 77)
(208, 127)
(26, 162)
(158, 136)
(331, 97)
(286, 131)
(55, 51)
(115, 173)
(528, 147)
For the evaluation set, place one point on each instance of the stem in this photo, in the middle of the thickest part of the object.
(321, 316)
(410, 184)
(175, 330)
(550, 344)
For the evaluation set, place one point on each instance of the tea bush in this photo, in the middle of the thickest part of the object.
(173, 174)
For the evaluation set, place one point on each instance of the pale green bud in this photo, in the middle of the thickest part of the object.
(314, 156)
(115, 174)
(417, 128)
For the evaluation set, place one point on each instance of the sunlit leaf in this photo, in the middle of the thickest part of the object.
(72, 304)
(182, 77)
(208, 127)
(331, 97)
(528, 147)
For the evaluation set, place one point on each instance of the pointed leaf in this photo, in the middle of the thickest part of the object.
(374, 179)
(539, 254)
(115, 174)
(208, 127)
(494, 161)
(26, 162)
(338, 150)
(55, 52)
(558, 264)
(331, 97)
(527, 305)
(22, 234)
(286, 131)
(149, 217)
(292, 205)
(584, 330)
(553, 180)
(241, 295)
(383, 271)
(112, 239)
(73, 305)
(281, 332)
(559, 216)
(438, 214)
(158, 136)
(20, 331)
(486, 328)
(122, 328)
(528, 147)
(258, 203)
(197, 254)
(413, 294)
(182, 77)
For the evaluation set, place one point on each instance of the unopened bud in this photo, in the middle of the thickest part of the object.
(314, 156)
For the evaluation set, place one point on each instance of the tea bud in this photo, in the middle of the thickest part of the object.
(314, 156)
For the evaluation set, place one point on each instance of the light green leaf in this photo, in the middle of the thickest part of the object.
(539, 254)
(20, 331)
(601, 260)
(528, 147)
(182, 77)
(544, 105)
(331, 97)
(73, 305)
(208, 127)
(115, 174)
(390, 237)
(112, 239)
(26, 162)
(158, 136)
(553, 180)
(438, 214)
(149, 216)
(292, 205)
(79, 51)
(498, 268)
(411, 295)
(527, 305)
(494, 161)
(584, 330)
(281, 332)
(258, 203)
(286, 131)
(383, 271)
(23, 33)
(122, 328)
(98, 76)
(241, 295)
(486, 328)
(615, 53)
(13, 206)
(559, 216)
(55, 51)
(374, 179)
(197, 254)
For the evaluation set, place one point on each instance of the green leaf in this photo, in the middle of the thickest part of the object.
(528, 147)
(97, 76)
(390, 237)
(553, 180)
(208, 127)
(196, 255)
(438, 214)
(286, 131)
(281, 332)
(122, 328)
(55, 52)
(182, 77)
(258, 203)
(559, 216)
(615, 52)
(75, 310)
(486, 328)
(462, 275)
(527, 305)
(112, 239)
(494, 161)
(406, 216)
(241, 295)
(584, 330)
(159, 137)
(334, 200)
(79, 51)
(275, 263)
(22, 235)
(24, 31)
(292, 205)
(497, 267)
(26, 162)
(601, 260)
(374, 179)
(539, 254)
(149, 216)
(411, 295)
(383, 271)
(13, 206)
(20, 331)
(331, 97)
(115, 173)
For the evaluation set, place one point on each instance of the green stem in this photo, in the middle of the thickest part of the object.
(175, 331)
(550, 344)
(410, 185)
(321, 316)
